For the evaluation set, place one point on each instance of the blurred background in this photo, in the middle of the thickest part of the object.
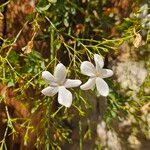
(35, 35)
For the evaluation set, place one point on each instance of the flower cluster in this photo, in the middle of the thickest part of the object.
(59, 84)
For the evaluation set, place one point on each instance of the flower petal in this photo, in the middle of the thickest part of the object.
(72, 83)
(64, 97)
(50, 91)
(88, 85)
(60, 73)
(87, 68)
(48, 77)
(106, 73)
(102, 87)
(98, 62)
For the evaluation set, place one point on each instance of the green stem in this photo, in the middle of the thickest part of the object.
(80, 133)
(17, 36)
(4, 138)
(52, 50)
(55, 113)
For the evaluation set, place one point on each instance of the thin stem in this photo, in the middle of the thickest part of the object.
(80, 133)
(52, 50)
(3, 140)
(4, 4)
(15, 39)
(54, 114)
(9, 119)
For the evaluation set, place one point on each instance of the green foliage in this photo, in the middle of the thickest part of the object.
(74, 33)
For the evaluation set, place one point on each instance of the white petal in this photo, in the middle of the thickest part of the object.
(106, 73)
(60, 73)
(102, 87)
(64, 97)
(72, 83)
(98, 62)
(88, 85)
(48, 77)
(87, 68)
(50, 91)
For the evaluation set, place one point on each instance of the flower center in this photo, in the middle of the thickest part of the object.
(61, 83)
(98, 74)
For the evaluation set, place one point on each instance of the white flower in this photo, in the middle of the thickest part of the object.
(58, 84)
(96, 74)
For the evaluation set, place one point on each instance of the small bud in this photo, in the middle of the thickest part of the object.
(28, 48)
(137, 40)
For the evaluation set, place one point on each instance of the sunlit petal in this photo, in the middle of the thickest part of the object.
(50, 91)
(64, 97)
(102, 87)
(98, 62)
(87, 68)
(106, 73)
(60, 73)
(48, 77)
(72, 83)
(88, 85)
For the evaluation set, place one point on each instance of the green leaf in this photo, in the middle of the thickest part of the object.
(1, 98)
(13, 57)
(10, 84)
(42, 6)
(52, 1)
